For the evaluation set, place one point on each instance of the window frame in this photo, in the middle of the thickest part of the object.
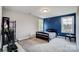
(72, 31)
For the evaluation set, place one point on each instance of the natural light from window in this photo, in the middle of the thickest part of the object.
(67, 24)
(40, 24)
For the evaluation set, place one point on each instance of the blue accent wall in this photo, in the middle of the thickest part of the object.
(55, 23)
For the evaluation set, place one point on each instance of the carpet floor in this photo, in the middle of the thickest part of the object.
(58, 44)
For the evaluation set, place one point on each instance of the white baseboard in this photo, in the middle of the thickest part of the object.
(22, 38)
(25, 37)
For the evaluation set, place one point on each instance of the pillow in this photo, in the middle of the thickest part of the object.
(51, 30)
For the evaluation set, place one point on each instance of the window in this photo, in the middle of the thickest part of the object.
(40, 25)
(67, 24)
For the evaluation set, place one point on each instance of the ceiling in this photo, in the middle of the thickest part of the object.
(36, 10)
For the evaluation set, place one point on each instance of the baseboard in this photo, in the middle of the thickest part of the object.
(26, 37)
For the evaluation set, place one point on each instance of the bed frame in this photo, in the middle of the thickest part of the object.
(44, 35)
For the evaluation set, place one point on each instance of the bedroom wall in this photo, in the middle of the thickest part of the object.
(55, 23)
(77, 28)
(0, 23)
(0, 16)
(26, 24)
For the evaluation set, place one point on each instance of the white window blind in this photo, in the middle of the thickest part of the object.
(40, 25)
(67, 24)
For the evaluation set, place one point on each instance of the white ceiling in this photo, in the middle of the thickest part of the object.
(36, 10)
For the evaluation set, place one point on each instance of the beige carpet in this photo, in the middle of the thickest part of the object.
(26, 43)
(58, 44)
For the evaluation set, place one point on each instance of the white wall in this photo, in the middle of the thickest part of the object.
(77, 28)
(0, 23)
(0, 16)
(26, 24)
